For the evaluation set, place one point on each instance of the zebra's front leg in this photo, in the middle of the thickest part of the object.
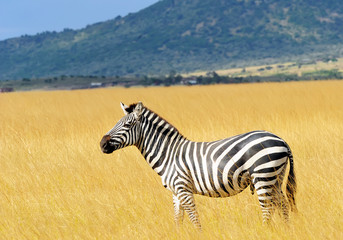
(188, 204)
(178, 211)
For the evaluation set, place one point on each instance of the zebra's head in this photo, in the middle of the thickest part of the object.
(126, 131)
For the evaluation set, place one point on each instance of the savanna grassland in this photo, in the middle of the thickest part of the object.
(300, 69)
(55, 183)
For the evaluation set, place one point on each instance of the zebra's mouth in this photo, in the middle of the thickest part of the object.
(108, 150)
(109, 147)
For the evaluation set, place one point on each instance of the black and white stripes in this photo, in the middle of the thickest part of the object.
(221, 168)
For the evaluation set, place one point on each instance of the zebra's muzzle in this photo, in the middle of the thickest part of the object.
(106, 146)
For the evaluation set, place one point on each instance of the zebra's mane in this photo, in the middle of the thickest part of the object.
(132, 106)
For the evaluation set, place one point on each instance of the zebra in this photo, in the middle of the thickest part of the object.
(216, 169)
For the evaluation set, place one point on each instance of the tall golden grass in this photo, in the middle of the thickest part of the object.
(279, 68)
(55, 183)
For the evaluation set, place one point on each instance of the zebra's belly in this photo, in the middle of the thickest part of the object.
(215, 186)
(217, 194)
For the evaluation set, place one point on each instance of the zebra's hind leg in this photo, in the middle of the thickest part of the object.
(282, 204)
(270, 196)
(178, 211)
(265, 197)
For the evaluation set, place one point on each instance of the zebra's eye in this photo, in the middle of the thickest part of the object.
(128, 124)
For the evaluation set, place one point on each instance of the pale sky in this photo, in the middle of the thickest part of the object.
(19, 17)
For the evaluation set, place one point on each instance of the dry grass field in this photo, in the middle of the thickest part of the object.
(287, 68)
(55, 183)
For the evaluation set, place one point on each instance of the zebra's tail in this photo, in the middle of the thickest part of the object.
(291, 186)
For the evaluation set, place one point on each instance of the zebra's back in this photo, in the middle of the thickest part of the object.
(226, 167)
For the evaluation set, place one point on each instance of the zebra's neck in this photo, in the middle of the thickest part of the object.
(158, 141)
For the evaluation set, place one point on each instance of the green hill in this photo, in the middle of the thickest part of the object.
(182, 35)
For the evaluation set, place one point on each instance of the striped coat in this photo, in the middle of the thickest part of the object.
(221, 168)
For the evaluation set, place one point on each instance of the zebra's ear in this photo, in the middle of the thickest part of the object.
(138, 110)
(124, 107)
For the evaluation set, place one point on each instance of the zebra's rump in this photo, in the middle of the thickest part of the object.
(226, 167)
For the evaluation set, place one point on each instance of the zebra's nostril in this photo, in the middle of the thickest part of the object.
(104, 143)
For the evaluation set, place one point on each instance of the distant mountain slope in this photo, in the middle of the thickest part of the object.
(181, 35)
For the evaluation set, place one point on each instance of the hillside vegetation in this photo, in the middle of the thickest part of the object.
(330, 68)
(182, 35)
(55, 183)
